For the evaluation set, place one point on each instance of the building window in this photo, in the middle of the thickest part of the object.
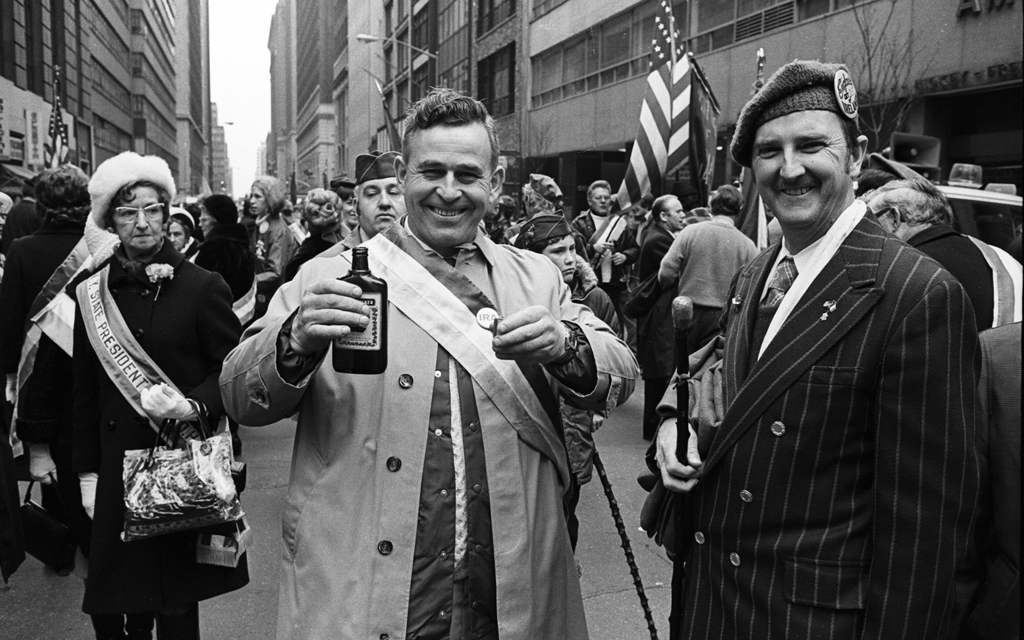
(491, 13)
(420, 30)
(807, 9)
(420, 82)
(497, 81)
(540, 7)
(389, 18)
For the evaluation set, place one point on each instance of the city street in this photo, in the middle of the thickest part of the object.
(38, 605)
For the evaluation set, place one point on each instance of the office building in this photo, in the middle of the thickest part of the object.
(192, 71)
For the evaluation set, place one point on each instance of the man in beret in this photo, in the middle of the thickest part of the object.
(835, 496)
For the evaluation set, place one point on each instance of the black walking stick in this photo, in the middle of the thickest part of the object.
(682, 318)
(627, 548)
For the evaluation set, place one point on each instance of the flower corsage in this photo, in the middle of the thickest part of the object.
(157, 274)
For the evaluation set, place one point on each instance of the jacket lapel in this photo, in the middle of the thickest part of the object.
(743, 303)
(835, 302)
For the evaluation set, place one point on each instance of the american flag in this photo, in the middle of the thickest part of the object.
(57, 149)
(677, 120)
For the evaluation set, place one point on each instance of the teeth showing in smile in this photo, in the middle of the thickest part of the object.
(796, 191)
(445, 213)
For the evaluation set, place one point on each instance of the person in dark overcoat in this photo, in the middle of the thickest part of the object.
(184, 322)
(226, 249)
(655, 334)
(44, 409)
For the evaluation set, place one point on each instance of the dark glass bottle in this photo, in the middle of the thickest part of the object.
(365, 351)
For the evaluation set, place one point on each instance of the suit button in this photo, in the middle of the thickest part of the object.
(385, 636)
(699, 537)
(139, 333)
(778, 428)
(473, 426)
(394, 464)
(144, 293)
(111, 425)
(746, 496)
(405, 381)
(384, 547)
(734, 559)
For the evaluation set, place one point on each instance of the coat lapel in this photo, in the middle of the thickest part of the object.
(835, 302)
(744, 302)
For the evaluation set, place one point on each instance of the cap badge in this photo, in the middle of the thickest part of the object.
(846, 94)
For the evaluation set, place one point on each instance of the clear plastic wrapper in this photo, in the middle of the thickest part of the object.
(168, 490)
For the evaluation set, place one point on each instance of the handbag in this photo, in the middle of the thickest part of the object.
(46, 538)
(641, 299)
(179, 489)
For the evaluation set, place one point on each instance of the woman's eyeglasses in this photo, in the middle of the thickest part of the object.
(127, 214)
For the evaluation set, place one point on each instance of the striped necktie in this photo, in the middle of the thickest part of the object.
(780, 282)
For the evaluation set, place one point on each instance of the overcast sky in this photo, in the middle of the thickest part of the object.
(240, 79)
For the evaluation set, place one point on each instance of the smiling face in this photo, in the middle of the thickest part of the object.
(139, 222)
(804, 170)
(448, 182)
(379, 205)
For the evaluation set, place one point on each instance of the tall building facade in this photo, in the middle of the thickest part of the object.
(281, 44)
(220, 165)
(192, 69)
(315, 155)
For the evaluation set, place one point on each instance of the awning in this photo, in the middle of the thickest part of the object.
(12, 177)
(18, 171)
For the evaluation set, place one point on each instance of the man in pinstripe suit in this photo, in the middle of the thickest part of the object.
(836, 495)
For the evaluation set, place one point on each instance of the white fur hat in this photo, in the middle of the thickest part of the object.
(123, 169)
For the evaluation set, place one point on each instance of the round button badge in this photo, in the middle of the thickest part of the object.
(488, 319)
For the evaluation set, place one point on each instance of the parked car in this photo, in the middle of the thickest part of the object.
(991, 216)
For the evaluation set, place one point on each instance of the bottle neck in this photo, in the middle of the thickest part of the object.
(360, 264)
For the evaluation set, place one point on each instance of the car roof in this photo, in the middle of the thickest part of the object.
(979, 195)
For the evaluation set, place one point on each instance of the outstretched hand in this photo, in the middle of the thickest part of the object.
(530, 335)
(330, 309)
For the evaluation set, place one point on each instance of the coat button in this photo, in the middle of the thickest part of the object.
(139, 333)
(385, 636)
(778, 428)
(746, 496)
(699, 537)
(473, 425)
(394, 464)
(477, 487)
(111, 424)
(384, 547)
(734, 559)
(405, 381)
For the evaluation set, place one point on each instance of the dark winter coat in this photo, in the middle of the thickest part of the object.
(656, 340)
(226, 251)
(187, 328)
(583, 228)
(22, 220)
(586, 292)
(959, 256)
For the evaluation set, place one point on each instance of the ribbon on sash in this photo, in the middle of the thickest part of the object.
(1006, 303)
(123, 359)
(610, 231)
(245, 306)
(443, 303)
(52, 313)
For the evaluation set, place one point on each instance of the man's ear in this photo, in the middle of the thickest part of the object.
(857, 155)
(401, 171)
(497, 179)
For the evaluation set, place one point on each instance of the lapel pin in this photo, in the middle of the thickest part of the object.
(737, 301)
(829, 306)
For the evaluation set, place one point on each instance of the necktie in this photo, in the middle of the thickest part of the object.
(778, 284)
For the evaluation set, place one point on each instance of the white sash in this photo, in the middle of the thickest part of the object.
(245, 306)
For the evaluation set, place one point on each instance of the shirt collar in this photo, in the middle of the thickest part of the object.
(481, 242)
(841, 228)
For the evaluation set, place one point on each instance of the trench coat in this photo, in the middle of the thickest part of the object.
(837, 495)
(349, 521)
(186, 328)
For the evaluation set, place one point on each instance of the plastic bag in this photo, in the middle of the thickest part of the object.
(168, 490)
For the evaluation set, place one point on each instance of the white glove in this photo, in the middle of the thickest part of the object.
(40, 465)
(87, 483)
(11, 388)
(162, 402)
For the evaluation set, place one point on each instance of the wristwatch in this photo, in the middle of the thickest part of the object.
(572, 345)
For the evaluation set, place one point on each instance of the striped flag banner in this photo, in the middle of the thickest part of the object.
(677, 129)
(56, 150)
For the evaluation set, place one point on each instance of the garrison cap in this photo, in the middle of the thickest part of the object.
(374, 166)
(801, 85)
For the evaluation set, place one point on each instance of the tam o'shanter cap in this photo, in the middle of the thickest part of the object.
(374, 166)
(124, 169)
(801, 85)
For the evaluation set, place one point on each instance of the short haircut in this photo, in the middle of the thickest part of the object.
(126, 194)
(62, 195)
(272, 189)
(598, 184)
(647, 201)
(726, 201)
(448, 107)
(221, 208)
(918, 200)
(660, 205)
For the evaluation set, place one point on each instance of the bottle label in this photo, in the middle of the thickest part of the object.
(369, 338)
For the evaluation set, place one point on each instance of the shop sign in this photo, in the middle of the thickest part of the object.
(963, 79)
(974, 7)
(35, 142)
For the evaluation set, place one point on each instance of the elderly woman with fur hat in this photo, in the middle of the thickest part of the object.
(178, 326)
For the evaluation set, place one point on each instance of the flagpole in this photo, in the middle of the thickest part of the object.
(699, 73)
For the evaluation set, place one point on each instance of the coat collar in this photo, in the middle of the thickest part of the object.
(836, 301)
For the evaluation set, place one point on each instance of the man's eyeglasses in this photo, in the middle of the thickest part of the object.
(127, 214)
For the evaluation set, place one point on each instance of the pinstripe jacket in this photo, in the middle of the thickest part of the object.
(838, 492)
